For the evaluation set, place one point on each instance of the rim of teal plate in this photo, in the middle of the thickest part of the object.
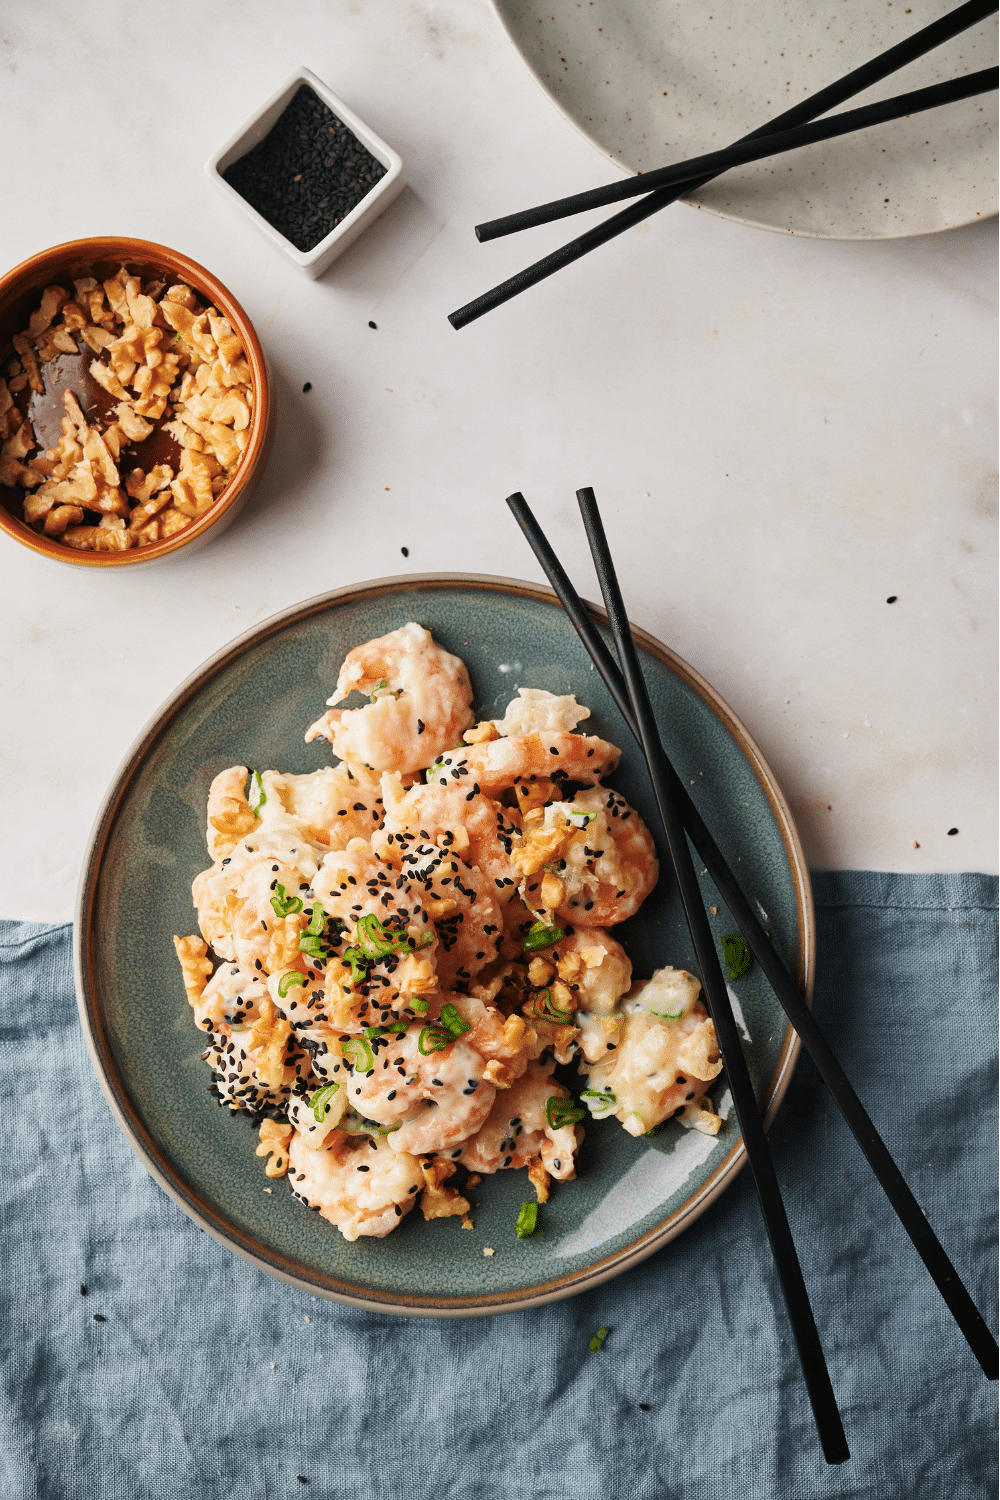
(204, 1213)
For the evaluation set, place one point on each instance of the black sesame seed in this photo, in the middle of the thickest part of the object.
(83, 1291)
(307, 173)
(100, 1318)
(406, 552)
(307, 387)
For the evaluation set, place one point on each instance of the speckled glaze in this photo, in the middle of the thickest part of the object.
(655, 81)
(250, 705)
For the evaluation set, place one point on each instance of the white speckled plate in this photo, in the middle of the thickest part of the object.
(655, 81)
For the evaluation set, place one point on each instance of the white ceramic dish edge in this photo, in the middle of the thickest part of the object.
(736, 213)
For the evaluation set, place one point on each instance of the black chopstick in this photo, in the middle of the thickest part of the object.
(908, 1210)
(716, 162)
(803, 1324)
(859, 79)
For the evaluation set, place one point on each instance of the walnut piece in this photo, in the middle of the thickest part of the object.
(170, 361)
(274, 1139)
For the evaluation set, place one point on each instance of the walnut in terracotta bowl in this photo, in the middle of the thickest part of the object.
(135, 416)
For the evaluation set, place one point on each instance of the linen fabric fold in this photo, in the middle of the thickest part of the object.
(185, 1371)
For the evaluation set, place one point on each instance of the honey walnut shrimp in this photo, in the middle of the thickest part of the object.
(406, 944)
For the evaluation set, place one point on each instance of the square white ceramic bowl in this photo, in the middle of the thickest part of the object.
(315, 261)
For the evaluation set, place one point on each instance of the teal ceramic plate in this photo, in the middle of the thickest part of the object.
(250, 705)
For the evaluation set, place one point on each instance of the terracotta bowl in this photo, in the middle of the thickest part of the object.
(20, 293)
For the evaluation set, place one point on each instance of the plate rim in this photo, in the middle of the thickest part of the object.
(205, 1214)
(846, 237)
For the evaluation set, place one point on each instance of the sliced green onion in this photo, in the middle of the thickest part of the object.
(256, 796)
(579, 818)
(375, 940)
(425, 941)
(736, 954)
(284, 905)
(310, 943)
(317, 921)
(597, 1342)
(420, 1006)
(542, 936)
(287, 980)
(319, 1103)
(560, 1112)
(398, 1028)
(452, 1021)
(433, 1039)
(527, 1220)
(353, 1124)
(358, 963)
(544, 1009)
(433, 770)
(357, 1050)
(244, 1027)
(600, 1105)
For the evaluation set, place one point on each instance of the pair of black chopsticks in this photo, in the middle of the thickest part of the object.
(788, 131)
(679, 816)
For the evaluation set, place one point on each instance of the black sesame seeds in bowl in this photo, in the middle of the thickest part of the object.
(308, 172)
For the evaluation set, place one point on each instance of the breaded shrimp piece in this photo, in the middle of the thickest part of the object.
(470, 825)
(435, 1098)
(427, 892)
(591, 860)
(252, 919)
(521, 759)
(331, 806)
(233, 898)
(445, 896)
(232, 996)
(361, 986)
(499, 1039)
(249, 1073)
(358, 1183)
(466, 917)
(594, 966)
(421, 702)
(664, 1060)
(517, 1132)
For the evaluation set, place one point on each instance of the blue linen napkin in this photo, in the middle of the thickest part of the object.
(184, 1371)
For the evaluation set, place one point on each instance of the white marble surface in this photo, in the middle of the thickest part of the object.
(783, 432)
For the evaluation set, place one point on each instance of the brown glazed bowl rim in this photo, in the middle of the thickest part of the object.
(54, 262)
